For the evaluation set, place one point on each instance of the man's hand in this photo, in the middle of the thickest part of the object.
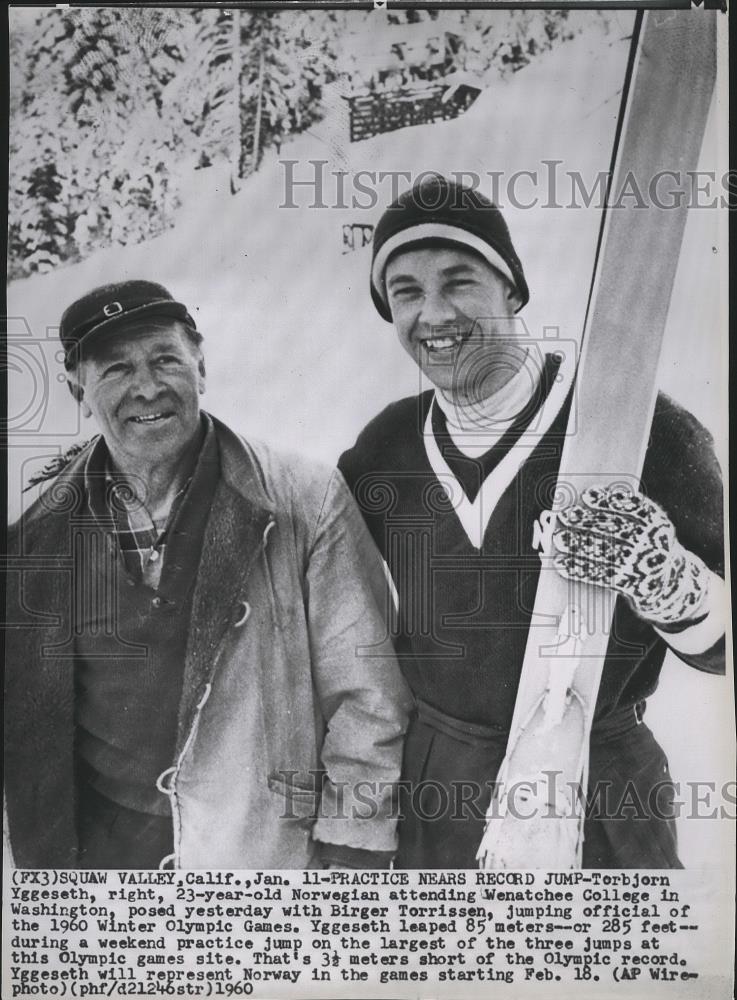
(617, 538)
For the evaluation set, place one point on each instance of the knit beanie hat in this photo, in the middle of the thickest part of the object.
(437, 211)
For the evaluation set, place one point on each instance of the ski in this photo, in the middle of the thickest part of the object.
(670, 83)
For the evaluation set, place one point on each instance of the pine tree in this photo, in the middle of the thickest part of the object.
(203, 96)
(503, 42)
(110, 106)
(288, 58)
(40, 204)
(91, 138)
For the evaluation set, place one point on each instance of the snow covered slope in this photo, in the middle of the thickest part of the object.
(296, 353)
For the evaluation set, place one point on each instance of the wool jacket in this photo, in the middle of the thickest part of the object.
(293, 709)
(464, 612)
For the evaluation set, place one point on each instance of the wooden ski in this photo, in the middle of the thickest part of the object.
(671, 79)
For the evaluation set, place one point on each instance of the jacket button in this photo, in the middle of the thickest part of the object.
(156, 602)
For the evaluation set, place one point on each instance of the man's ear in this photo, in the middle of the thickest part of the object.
(514, 296)
(77, 392)
(202, 375)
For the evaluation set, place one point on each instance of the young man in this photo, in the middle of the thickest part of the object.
(451, 484)
(187, 610)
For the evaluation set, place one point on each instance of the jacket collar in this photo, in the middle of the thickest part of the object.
(235, 538)
(239, 469)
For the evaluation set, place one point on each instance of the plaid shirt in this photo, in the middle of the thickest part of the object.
(142, 540)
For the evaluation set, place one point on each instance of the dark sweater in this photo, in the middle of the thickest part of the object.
(130, 648)
(464, 614)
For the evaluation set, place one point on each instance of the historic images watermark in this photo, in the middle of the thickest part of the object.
(538, 798)
(312, 184)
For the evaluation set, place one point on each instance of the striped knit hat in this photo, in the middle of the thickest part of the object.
(437, 211)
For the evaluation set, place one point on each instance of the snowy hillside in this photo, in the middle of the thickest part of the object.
(296, 353)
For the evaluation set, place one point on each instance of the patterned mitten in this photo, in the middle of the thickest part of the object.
(617, 538)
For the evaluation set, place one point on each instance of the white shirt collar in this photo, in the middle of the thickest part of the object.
(477, 427)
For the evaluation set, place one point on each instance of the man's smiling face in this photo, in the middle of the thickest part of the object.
(142, 386)
(454, 313)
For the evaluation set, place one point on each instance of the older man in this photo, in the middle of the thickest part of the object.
(452, 482)
(187, 617)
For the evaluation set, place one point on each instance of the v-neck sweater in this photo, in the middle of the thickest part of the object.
(464, 610)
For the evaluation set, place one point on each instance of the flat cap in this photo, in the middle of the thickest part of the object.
(110, 306)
